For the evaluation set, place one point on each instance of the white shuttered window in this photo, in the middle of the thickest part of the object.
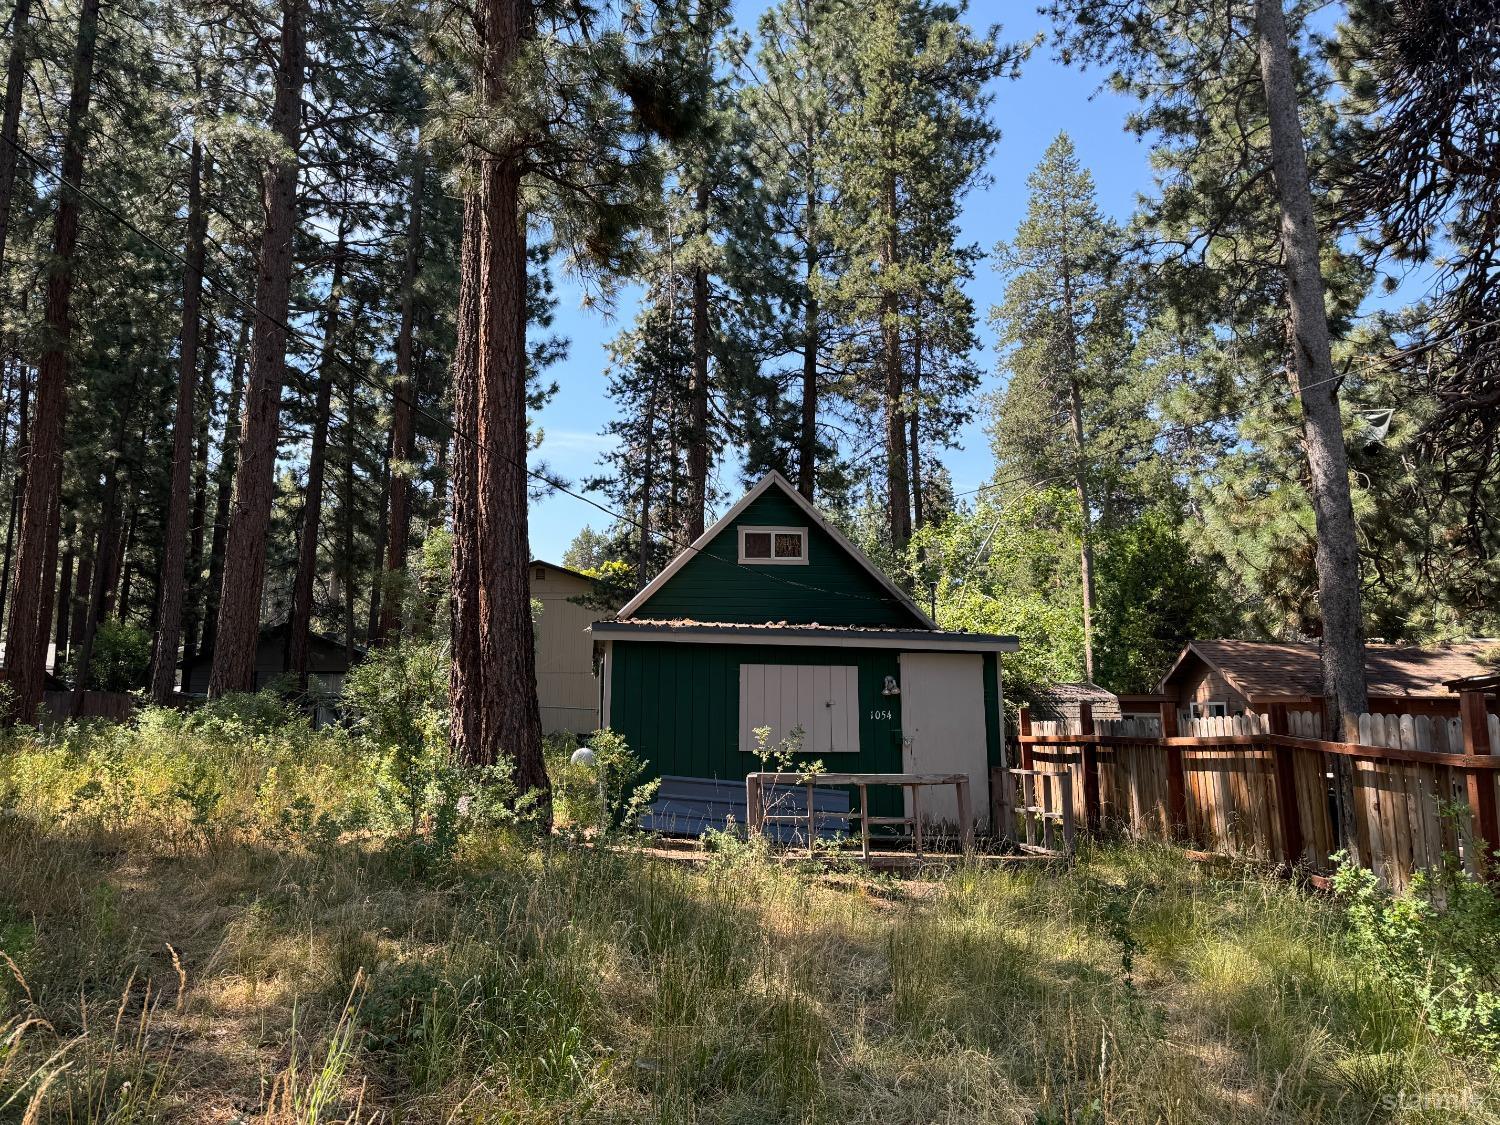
(822, 700)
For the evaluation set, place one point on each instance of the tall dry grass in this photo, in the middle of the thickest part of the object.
(212, 924)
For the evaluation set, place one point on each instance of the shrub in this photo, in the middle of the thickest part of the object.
(609, 795)
(1440, 944)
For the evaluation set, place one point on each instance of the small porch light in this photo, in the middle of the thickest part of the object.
(891, 687)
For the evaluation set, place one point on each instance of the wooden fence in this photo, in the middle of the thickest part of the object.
(1265, 787)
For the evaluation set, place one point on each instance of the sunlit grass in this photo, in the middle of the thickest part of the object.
(315, 979)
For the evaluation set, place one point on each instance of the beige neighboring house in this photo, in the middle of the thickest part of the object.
(566, 686)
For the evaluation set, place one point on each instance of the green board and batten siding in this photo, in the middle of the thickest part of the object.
(678, 707)
(831, 589)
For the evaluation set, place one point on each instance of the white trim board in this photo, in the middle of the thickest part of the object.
(771, 478)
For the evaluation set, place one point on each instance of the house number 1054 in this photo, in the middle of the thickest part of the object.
(879, 715)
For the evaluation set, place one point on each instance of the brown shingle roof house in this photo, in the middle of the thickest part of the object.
(1231, 676)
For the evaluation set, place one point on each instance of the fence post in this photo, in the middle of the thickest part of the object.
(1026, 752)
(753, 810)
(1286, 789)
(1177, 818)
(1090, 756)
(1481, 783)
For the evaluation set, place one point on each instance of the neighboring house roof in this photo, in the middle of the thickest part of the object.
(1257, 669)
(794, 633)
(564, 569)
(1084, 691)
(1064, 698)
(330, 649)
(892, 594)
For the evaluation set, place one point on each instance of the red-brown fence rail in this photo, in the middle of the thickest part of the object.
(1248, 786)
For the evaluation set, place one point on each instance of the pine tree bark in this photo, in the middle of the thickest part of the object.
(238, 631)
(192, 617)
(18, 489)
(26, 631)
(697, 451)
(229, 451)
(1323, 429)
(465, 697)
(347, 570)
(807, 444)
(64, 595)
(898, 491)
(377, 553)
(106, 552)
(10, 122)
(317, 455)
(184, 422)
(507, 697)
(403, 430)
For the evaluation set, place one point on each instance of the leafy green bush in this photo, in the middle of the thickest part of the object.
(1440, 944)
(609, 795)
(122, 652)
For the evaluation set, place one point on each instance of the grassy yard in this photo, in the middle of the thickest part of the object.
(219, 923)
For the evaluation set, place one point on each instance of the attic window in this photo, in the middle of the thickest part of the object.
(539, 572)
(776, 546)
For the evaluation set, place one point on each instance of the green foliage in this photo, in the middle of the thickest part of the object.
(122, 652)
(1439, 945)
(609, 796)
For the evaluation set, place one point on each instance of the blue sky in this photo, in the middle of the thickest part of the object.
(1048, 98)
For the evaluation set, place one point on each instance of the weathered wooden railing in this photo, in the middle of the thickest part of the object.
(1254, 786)
(759, 814)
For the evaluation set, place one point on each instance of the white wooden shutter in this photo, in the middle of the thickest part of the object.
(821, 700)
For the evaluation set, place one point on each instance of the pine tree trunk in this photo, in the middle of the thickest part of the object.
(127, 549)
(105, 552)
(914, 427)
(465, 697)
(1086, 537)
(64, 597)
(508, 695)
(312, 495)
(697, 451)
(26, 631)
(347, 569)
(377, 548)
(18, 489)
(10, 123)
(238, 631)
(1323, 428)
(898, 494)
(403, 430)
(192, 618)
(807, 447)
(229, 450)
(80, 599)
(184, 422)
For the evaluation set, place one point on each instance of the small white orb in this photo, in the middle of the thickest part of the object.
(584, 756)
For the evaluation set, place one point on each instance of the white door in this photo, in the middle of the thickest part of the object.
(942, 728)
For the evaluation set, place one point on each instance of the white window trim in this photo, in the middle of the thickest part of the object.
(759, 529)
(1205, 710)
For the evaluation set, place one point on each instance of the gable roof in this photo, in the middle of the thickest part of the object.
(564, 570)
(775, 480)
(1257, 669)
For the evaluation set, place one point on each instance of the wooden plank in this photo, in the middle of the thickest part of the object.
(1481, 788)
(1177, 812)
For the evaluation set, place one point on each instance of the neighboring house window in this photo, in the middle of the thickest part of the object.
(819, 700)
(773, 545)
(1212, 710)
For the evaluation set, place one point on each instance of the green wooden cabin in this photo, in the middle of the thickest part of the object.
(772, 618)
